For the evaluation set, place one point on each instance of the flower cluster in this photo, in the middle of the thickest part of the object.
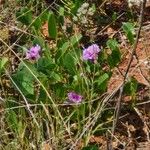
(134, 2)
(83, 12)
(91, 53)
(74, 97)
(33, 53)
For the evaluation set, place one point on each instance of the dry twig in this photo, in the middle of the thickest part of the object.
(118, 106)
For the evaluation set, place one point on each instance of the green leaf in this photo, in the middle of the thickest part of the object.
(39, 40)
(21, 129)
(44, 16)
(3, 62)
(12, 120)
(45, 65)
(42, 94)
(67, 45)
(61, 15)
(61, 11)
(52, 26)
(37, 24)
(55, 77)
(102, 79)
(77, 4)
(69, 63)
(114, 16)
(24, 16)
(91, 147)
(115, 56)
(61, 52)
(128, 28)
(130, 87)
(24, 79)
(100, 83)
(30, 66)
(59, 89)
(75, 39)
(112, 44)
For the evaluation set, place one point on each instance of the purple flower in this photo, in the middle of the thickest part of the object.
(74, 97)
(91, 53)
(33, 53)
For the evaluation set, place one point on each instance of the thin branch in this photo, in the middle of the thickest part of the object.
(118, 106)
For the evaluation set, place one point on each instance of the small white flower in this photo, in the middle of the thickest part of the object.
(85, 5)
(80, 10)
(64, 28)
(84, 20)
(134, 2)
(75, 18)
(84, 11)
(79, 14)
(91, 11)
